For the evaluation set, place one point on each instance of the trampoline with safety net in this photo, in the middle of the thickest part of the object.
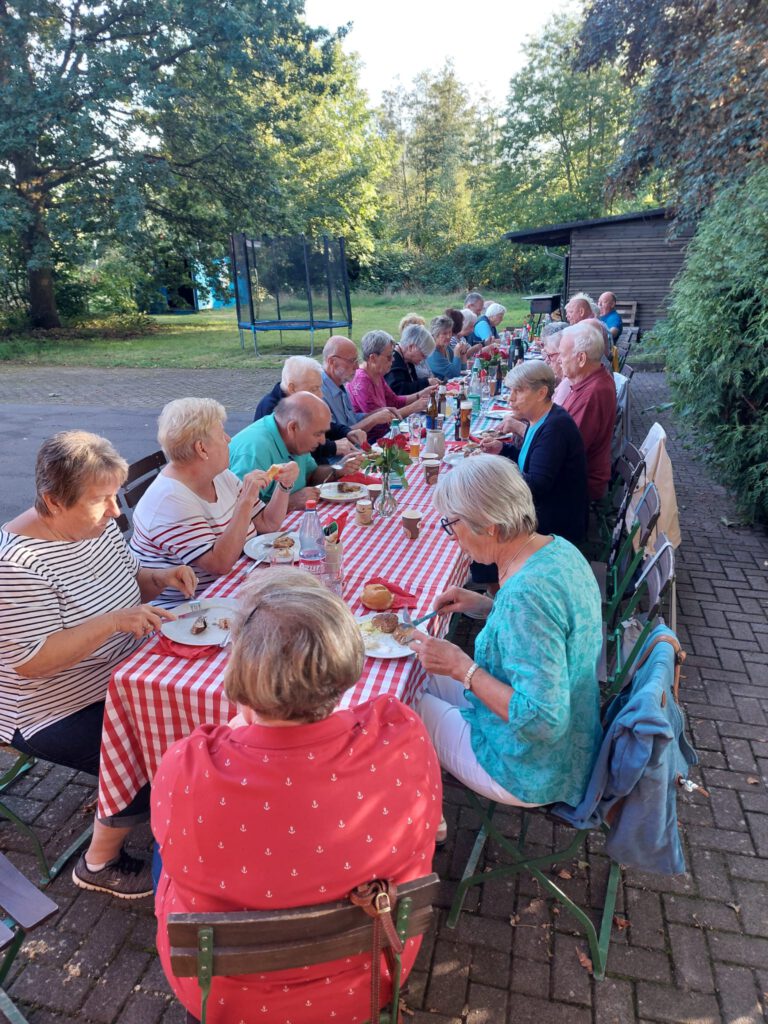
(290, 284)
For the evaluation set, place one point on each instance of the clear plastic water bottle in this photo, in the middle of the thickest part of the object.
(312, 542)
(474, 390)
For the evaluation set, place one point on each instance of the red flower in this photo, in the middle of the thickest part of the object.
(386, 442)
(401, 441)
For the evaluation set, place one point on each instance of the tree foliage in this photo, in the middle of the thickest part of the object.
(561, 131)
(105, 104)
(699, 72)
(716, 353)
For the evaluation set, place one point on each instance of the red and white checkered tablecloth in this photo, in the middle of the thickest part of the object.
(153, 699)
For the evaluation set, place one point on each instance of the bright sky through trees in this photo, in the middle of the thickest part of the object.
(403, 37)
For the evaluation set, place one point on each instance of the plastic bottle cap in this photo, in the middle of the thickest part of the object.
(311, 504)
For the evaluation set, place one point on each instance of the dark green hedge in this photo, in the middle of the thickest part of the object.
(716, 340)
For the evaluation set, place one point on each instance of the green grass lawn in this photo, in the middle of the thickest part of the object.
(210, 340)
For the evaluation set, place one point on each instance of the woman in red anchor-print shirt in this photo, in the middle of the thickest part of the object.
(290, 804)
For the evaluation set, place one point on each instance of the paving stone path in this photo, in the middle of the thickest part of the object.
(695, 948)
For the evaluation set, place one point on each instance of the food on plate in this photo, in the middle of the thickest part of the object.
(285, 540)
(386, 622)
(402, 633)
(470, 448)
(273, 472)
(345, 487)
(222, 623)
(199, 625)
(376, 597)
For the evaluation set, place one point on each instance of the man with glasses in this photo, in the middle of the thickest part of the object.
(340, 361)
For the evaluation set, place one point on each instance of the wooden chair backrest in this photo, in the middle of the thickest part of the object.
(628, 312)
(246, 942)
(140, 476)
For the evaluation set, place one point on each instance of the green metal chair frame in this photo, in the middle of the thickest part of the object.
(536, 865)
(210, 944)
(48, 871)
(625, 557)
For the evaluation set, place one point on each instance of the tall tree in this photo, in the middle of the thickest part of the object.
(561, 131)
(88, 88)
(700, 72)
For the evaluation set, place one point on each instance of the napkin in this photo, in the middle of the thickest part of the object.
(359, 478)
(340, 521)
(172, 649)
(402, 599)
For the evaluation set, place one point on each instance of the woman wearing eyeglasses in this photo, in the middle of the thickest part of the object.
(520, 723)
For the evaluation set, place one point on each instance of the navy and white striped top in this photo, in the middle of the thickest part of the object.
(47, 586)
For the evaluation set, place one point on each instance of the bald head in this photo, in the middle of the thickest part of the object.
(302, 420)
(340, 358)
(578, 309)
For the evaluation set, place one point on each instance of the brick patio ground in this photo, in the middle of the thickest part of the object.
(695, 947)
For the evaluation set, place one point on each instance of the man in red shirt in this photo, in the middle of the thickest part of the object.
(591, 401)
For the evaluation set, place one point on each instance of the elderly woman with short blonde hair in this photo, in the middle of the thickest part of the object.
(445, 362)
(197, 512)
(520, 722)
(291, 804)
(72, 607)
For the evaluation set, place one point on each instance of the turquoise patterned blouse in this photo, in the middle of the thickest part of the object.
(543, 638)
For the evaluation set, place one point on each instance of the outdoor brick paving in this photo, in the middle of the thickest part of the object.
(691, 948)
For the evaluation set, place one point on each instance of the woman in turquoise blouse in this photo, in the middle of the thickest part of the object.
(519, 724)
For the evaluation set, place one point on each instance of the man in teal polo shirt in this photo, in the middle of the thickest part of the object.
(295, 428)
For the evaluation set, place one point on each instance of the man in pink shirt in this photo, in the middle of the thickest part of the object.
(591, 400)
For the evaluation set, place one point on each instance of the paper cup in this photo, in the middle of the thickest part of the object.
(411, 519)
(431, 471)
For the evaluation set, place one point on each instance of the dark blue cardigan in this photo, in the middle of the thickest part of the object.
(556, 472)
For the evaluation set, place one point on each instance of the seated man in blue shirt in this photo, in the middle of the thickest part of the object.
(340, 362)
(606, 305)
(300, 373)
(289, 434)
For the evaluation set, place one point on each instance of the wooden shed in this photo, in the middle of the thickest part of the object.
(630, 255)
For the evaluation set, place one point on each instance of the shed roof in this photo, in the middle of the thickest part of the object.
(560, 234)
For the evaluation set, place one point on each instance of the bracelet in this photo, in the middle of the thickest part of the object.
(282, 486)
(468, 677)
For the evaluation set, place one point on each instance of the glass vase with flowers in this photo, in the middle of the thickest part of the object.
(390, 456)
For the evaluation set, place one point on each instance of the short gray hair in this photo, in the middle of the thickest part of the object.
(588, 338)
(533, 375)
(297, 647)
(185, 421)
(69, 462)
(554, 327)
(296, 368)
(473, 297)
(495, 309)
(484, 491)
(440, 324)
(584, 297)
(415, 334)
(374, 342)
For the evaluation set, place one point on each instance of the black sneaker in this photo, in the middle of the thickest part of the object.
(125, 877)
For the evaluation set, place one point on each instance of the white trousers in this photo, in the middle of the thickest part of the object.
(440, 710)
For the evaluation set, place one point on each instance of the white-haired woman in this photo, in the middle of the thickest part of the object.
(71, 609)
(486, 326)
(519, 723)
(363, 800)
(415, 345)
(197, 512)
(369, 390)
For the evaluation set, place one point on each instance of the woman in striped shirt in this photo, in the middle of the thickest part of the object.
(72, 606)
(197, 512)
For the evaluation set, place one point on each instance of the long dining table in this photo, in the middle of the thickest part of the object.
(154, 699)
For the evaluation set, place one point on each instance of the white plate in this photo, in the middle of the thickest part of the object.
(258, 548)
(385, 645)
(494, 415)
(331, 492)
(454, 458)
(180, 630)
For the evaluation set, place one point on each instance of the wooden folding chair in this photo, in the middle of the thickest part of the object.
(140, 476)
(23, 908)
(48, 871)
(204, 946)
(538, 865)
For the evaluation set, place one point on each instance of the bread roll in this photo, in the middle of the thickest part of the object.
(377, 597)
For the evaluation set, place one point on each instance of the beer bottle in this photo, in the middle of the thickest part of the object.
(432, 412)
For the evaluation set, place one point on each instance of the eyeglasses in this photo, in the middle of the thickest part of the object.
(346, 359)
(448, 525)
